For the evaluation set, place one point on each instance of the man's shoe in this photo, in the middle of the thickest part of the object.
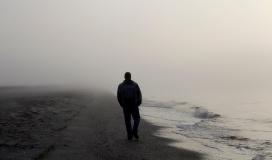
(130, 138)
(136, 136)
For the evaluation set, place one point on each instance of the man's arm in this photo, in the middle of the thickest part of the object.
(119, 96)
(139, 95)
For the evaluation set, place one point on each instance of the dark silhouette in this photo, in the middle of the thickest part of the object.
(130, 98)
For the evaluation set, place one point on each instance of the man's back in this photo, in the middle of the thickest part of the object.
(129, 94)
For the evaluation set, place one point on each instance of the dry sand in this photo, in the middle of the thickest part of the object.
(45, 124)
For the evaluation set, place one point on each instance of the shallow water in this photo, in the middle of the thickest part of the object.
(240, 131)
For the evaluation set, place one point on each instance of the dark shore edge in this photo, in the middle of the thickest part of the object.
(103, 133)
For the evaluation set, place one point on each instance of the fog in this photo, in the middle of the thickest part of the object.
(171, 47)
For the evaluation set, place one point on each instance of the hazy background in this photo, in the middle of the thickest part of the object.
(172, 47)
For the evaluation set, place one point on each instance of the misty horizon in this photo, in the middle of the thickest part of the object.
(175, 46)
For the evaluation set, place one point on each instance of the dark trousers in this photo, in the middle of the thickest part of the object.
(134, 112)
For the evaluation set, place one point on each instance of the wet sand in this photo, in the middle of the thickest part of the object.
(69, 124)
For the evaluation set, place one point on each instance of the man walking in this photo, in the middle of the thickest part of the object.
(130, 98)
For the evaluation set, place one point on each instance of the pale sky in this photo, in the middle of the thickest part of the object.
(170, 46)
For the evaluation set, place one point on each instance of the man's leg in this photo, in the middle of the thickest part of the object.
(127, 115)
(136, 118)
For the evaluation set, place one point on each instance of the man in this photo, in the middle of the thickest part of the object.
(130, 98)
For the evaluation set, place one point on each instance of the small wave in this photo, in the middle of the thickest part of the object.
(204, 113)
(235, 138)
(259, 157)
(180, 103)
(171, 104)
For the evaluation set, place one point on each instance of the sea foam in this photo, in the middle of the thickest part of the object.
(204, 113)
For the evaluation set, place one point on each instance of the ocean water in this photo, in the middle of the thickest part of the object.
(229, 127)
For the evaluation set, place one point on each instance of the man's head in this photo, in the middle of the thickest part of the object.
(127, 76)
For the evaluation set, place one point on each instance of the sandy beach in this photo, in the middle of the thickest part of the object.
(67, 125)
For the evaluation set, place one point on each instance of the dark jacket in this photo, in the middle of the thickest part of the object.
(129, 94)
